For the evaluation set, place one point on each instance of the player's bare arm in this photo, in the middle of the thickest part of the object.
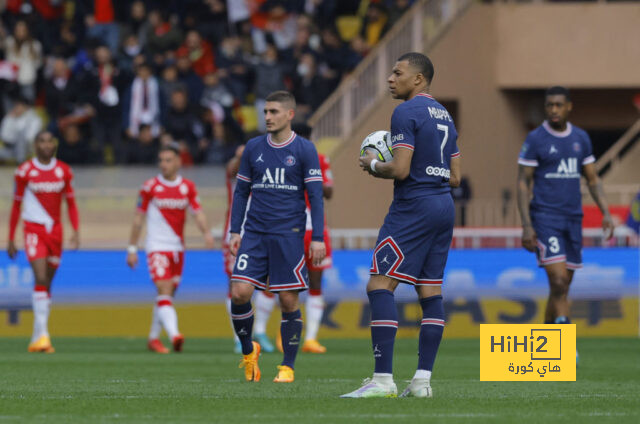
(136, 229)
(201, 222)
(597, 193)
(525, 185)
(317, 251)
(234, 163)
(12, 250)
(327, 191)
(74, 240)
(456, 173)
(397, 169)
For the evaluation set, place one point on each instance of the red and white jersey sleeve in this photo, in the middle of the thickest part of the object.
(327, 175)
(166, 203)
(327, 181)
(41, 189)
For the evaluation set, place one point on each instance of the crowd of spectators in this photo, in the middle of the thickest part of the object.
(114, 79)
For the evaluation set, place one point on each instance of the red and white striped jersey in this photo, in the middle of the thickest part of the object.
(165, 203)
(41, 189)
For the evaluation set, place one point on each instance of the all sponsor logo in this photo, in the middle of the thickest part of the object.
(567, 168)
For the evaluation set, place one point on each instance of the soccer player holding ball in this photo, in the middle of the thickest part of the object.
(40, 185)
(164, 201)
(413, 243)
(275, 169)
(553, 158)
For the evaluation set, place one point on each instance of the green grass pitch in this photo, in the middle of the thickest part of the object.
(116, 380)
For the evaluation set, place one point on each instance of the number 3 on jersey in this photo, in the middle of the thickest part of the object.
(554, 246)
(444, 129)
(242, 261)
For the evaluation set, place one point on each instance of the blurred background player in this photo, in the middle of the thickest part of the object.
(164, 200)
(264, 300)
(275, 169)
(413, 243)
(314, 306)
(552, 159)
(40, 184)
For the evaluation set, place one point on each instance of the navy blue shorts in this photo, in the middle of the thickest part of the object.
(413, 243)
(271, 261)
(559, 239)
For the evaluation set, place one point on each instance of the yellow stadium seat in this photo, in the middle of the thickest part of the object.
(249, 118)
(348, 26)
(327, 145)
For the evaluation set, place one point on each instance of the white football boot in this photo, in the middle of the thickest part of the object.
(376, 387)
(418, 387)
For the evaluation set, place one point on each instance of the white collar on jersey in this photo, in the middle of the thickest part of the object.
(281, 145)
(168, 183)
(561, 134)
(41, 166)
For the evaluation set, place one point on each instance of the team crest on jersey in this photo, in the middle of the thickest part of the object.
(290, 160)
(34, 173)
(59, 172)
(576, 146)
(184, 189)
(159, 188)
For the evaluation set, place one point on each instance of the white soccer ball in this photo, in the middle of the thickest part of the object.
(380, 143)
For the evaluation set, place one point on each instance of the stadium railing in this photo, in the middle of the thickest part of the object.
(482, 238)
(613, 155)
(417, 30)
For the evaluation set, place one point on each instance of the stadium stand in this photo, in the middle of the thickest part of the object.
(109, 77)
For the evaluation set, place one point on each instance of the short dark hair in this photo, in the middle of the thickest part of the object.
(421, 63)
(283, 97)
(302, 129)
(170, 147)
(43, 132)
(558, 90)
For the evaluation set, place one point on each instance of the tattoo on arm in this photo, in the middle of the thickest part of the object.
(597, 193)
(525, 180)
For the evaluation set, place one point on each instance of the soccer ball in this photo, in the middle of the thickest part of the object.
(380, 143)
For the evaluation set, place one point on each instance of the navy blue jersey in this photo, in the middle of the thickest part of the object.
(276, 176)
(558, 158)
(424, 126)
